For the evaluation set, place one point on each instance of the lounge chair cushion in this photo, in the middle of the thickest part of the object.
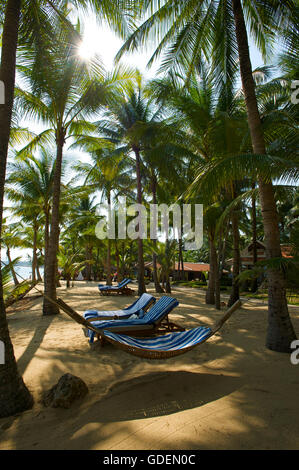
(159, 311)
(137, 308)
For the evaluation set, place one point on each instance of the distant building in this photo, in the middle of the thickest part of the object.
(246, 255)
(192, 271)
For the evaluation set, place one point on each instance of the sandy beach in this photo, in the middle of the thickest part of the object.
(229, 393)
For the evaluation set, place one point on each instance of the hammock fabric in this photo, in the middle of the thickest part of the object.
(180, 344)
(162, 347)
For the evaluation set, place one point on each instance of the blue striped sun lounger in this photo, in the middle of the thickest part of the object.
(121, 284)
(161, 347)
(146, 325)
(138, 308)
(121, 288)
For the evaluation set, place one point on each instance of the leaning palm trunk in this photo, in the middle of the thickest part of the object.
(50, 278)
(12, 270)
(141, 283)
(14, 395)
(280, 332)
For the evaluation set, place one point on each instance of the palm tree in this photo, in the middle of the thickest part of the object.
(62, 97)
(30, 184)
(39, 15)
(212, 127)
(14, 394)
(122, 123)
(69, 264)
(219, 29)
(11, 239)
(107, 173)
(82, 221)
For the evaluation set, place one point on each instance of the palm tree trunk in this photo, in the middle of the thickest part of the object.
(34, 254)
(117, 260)
(109, 276)
(254, 286)
(46, 232)
(210, 294)
(235, 294)
(13, 273)
(50, 277)
(280, 332)
(158, 288)
(181, 260)
(39, 277)
(14, 395)
(141, 282)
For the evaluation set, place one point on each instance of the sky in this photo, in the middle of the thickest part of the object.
(101, 40)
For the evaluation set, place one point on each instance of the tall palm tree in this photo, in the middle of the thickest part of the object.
(123, 120)
(11, 239)
(63, 97)
(14, 394)
(108, 173)
(219, 29)
(82, 220)
(212, 126)
(30, 183)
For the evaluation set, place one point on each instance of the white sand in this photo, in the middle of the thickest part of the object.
(229, 393)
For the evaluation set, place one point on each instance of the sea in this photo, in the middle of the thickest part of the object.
(25, 271)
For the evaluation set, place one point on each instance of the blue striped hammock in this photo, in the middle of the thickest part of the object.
(161, 347)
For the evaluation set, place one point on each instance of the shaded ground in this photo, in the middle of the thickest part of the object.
(229, 393)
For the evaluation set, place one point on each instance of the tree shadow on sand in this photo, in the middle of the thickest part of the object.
(169, 392)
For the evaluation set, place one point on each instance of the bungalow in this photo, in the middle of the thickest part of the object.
(246, 255)
(192, 271)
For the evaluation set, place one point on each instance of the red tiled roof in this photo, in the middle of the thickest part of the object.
(286, 251)
(195, 267)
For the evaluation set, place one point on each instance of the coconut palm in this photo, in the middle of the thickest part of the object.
(219, 29)
(62, 97)
(38, 17)
(30, 183)
(122, 123)
(82, 220)
(69, 264)
(11, 239)
(108, 173)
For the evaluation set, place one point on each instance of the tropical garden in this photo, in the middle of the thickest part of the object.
(206, 129)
